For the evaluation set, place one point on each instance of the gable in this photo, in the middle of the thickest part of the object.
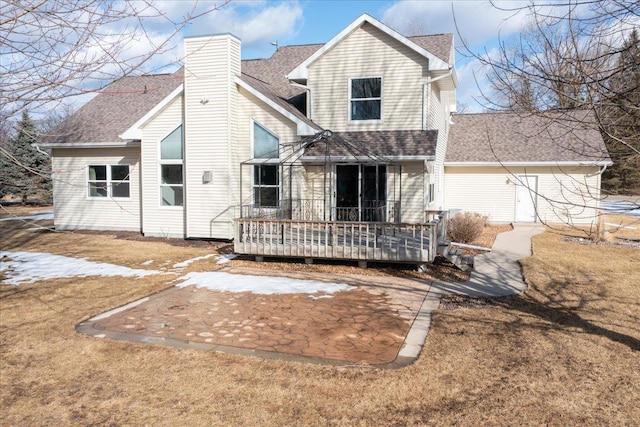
(372, 52)
(115, 109)
(300, 73)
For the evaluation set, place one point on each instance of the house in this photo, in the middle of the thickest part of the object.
(342, 150)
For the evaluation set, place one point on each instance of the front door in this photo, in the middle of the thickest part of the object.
(361, 193)
(526, 198)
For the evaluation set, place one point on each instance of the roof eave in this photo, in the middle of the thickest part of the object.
(107, 144)
(534, 163)
(135, 131)
(313, 159)
(302, 128)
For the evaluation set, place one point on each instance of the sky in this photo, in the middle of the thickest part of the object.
(477, 25)
(260, 23)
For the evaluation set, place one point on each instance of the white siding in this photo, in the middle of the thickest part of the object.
(413, 192)
(74, 210)
(563, 192)
(368, 52)
(211, 108)
(163, 221)
(439, 119)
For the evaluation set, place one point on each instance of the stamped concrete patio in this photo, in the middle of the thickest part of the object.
(365, 325)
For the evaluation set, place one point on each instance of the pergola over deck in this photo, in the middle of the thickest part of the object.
(355, 214)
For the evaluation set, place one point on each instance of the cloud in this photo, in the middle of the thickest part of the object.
(257, 24)
(477, 22)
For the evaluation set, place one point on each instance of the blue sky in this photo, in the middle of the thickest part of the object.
(258, 23)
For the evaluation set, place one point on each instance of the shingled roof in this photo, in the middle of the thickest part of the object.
(509, 137)
(389, 144)
(126, 100)
(116, 109)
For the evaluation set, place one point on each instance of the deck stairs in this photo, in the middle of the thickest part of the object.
(454, 255)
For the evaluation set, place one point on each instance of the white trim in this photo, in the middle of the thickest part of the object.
(135, 131)
(364, 159)
(350, 100)
(301, 72)
(109, 181)
(115, 144)
(302, 127)
(171, 162)
(254, 122)
(543, 163)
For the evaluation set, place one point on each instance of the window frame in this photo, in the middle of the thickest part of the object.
(352, 100)
(257, 186)
(265, 162)
(108, 181)
(171, 162)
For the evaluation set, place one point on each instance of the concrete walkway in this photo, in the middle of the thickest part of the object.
(497, 273)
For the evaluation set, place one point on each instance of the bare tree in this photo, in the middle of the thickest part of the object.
(568, 59)
(56, 49)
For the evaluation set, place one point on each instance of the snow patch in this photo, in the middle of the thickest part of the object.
(225, 258)
(34, 217)
(31, 267)
(186, 263)
(263, 285)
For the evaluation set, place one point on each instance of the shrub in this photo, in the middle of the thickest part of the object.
(465, 227)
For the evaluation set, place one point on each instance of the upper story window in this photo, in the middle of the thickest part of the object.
(266, 177)
(171, 176)
(109, 181)
(366, 98)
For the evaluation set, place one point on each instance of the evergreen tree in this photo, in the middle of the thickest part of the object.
(24, 171)
(621, 122)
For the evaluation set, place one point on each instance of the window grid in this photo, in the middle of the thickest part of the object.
(108, 181)
(266, 177)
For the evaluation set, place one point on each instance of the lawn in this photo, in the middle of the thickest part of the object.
(567, 352)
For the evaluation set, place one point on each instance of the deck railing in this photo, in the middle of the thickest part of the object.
(348, 240)
(319, 210)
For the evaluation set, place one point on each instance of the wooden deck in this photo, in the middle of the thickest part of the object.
(345, 240)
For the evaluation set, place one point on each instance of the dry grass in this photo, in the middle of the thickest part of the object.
(565, 353)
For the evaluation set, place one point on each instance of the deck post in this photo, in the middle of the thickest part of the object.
(308, 260)
(362, 264)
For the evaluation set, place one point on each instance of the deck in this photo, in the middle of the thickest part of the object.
(343, 240)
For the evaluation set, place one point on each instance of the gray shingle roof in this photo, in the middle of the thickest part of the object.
(439, 45)
(509, 137)
(116, 108)
(274, 69)
(416, 143)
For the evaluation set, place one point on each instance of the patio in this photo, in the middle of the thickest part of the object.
(365, 325)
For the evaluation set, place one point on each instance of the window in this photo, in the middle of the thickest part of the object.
(171, 176)
(366, 98)
(109, 181)
(266, 177)
(266, 186)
